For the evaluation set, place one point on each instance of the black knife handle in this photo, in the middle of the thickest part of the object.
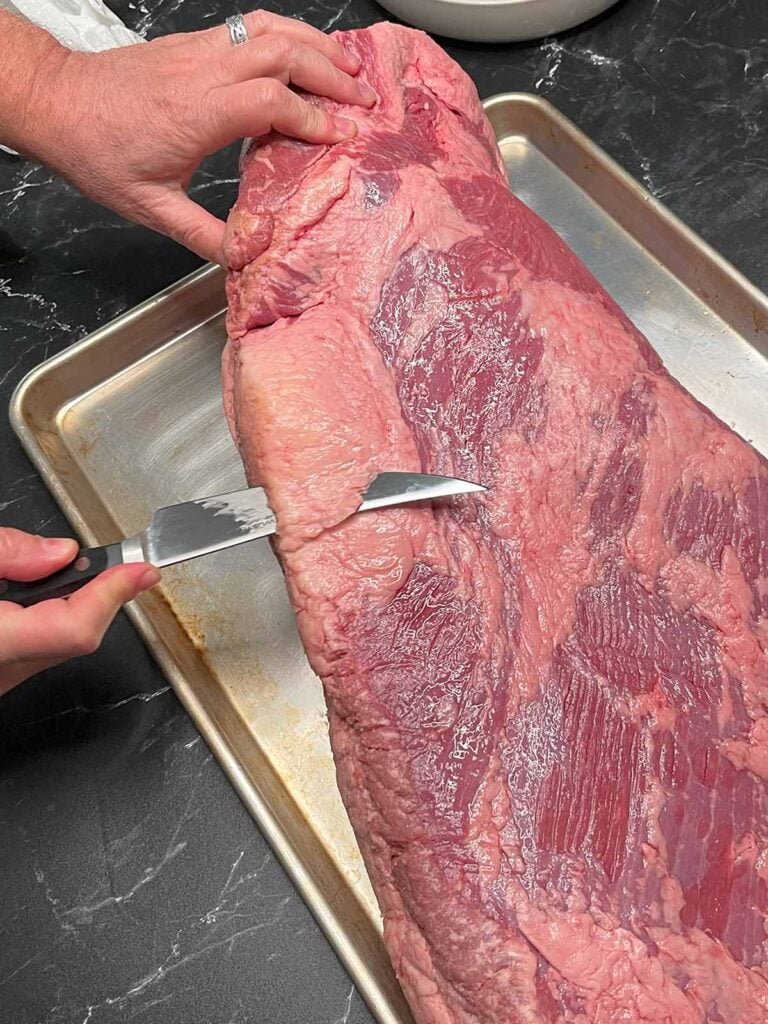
(89, 564)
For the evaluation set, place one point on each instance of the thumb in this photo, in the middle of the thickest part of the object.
(171, 212)
(25, 557)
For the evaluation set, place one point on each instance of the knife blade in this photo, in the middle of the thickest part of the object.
(179, 533)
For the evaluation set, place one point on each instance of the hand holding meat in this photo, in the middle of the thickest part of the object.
(33, 639)
(129, 127)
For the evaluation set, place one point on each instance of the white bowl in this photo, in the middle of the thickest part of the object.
(495, 21)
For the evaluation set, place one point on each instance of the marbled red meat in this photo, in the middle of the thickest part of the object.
(548, 705)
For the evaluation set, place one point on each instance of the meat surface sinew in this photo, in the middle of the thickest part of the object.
(547, 706)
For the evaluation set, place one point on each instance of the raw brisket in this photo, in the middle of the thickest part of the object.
(547, 706)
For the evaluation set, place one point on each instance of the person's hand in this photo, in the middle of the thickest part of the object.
(129, 127)
(33, 639)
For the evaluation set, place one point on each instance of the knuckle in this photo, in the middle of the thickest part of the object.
(212, 109)
(193, 236)
(311, 56)
(83, 634)
(314, 116)
(258, 21)
(270, 93)
(145, 206)
(279, 49)
(85, 639)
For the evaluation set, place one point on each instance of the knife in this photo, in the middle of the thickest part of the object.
(181, 532)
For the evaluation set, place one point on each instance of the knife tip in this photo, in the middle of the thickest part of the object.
(471, 486)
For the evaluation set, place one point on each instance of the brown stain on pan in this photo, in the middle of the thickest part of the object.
(85, 447)
(189, 625)
(759, 320)
(197, 626)
(190, 622)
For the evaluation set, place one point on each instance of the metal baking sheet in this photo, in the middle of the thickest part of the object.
(130, 419)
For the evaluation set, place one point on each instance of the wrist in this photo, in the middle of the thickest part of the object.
(32, 63)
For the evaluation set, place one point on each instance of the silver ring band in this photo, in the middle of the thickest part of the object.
(237, 30)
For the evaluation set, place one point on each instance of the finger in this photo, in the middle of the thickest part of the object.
(256, 108)
(261, 23)
(279, 56)
(171, 212)
(55, 630)
(25, 557)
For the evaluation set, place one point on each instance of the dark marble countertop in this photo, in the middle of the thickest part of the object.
(133, 884)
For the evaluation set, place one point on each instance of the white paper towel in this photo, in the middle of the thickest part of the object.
(77, 24)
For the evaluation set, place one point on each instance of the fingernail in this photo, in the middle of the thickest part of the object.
(368, 95)
(57, 546)
(354, 60)
(150, 579)
(347, 129)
